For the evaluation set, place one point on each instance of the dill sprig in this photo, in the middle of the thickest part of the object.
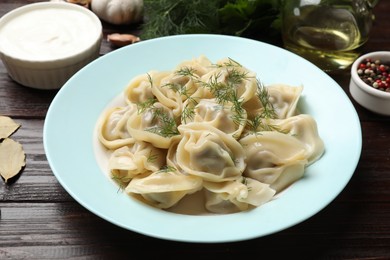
(268, 108)
(172, 17)
(152, 157)
(142, 106)
(259, 123)
(187, 72)
(167, 168)
(121, 181)
(166, 125)
(182, 88)
(188, 112)
(230, 63)
(244, 181)
(147, 104)
(227, 90)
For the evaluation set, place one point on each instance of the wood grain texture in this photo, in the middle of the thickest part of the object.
(40, 220)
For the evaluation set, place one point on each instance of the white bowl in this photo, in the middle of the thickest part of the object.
(375, 100)
(43, 44)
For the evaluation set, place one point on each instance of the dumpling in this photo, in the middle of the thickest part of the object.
(274, 158)
(112, 127)
(229, 81)
(209, 153)
(284, 99)
(222, 117)
(260, 105)
(237, 195)
(198, 66)
(164, 188)
(304, 128)
(173, 90)
(140, 88)
(155, 125)
(138, 158)
(171, 158)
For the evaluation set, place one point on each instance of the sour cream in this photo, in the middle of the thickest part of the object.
(48, 32)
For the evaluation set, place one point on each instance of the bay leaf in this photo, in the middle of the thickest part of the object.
(7, 126)
(12, 158)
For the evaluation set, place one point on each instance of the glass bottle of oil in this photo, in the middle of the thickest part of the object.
(328, 33)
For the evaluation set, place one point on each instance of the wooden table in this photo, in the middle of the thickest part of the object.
(39, 220)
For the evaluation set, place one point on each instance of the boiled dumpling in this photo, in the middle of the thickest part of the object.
(229, 81)
(209, 153)
(284, 99)
(197, 66)
(138, 158)
(222, 117)
(155, 125)
(237, 195)
(140, 88)
(164, 188)
(304, 128)
(271, 156)
(112, 127)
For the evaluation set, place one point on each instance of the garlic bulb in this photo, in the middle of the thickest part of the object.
(118, 11)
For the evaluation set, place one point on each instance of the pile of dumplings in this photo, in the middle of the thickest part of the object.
(211, 129)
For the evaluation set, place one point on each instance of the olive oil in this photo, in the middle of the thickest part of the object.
(327, 35)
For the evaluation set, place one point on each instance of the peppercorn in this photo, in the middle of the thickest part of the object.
(375, 74)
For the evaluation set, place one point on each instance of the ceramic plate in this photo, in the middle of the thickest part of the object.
(71, 119)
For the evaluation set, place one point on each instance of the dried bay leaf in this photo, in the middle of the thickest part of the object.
(7, 126)
(12, 158)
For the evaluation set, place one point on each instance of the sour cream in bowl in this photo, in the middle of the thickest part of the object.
(43, 44)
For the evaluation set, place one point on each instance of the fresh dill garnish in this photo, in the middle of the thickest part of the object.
(244, 181)
(167, 168)
(238, 112)
(229, 63)
(143, 106)
(182, 89)
(152, 157)
(121, 181)
(187, 72)
(258, 19)
(188, 112)
(172, 17)
(259, 123)
(227, 90)
(268, 108)
(166, 126)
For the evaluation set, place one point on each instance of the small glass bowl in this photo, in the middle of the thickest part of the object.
(375, 100)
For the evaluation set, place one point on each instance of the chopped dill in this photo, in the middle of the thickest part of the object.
(263, 95)
(121, 181)
(259, 123)
(187, 72)
(188, 112)
(236, 77)
(227, 91)
(167, 168)
(245, 182)
(148, 104)
(166, 126)
(152, 157)
(229, 63)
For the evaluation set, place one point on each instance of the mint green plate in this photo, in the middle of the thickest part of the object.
(71, 119)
